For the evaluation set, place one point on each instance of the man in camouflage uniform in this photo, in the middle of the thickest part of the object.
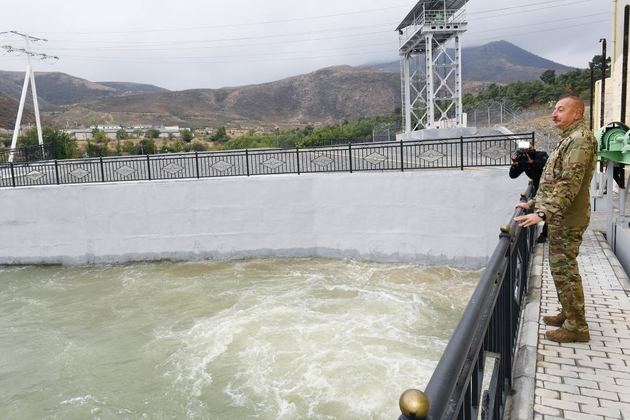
(563, 202)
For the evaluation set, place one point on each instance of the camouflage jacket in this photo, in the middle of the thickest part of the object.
(564, 186)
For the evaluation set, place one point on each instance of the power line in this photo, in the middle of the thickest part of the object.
(351, 35)
(307, 18)
(160, 46)
(298, 19)
(275, 53)
(533, 10)
(545, 30)
(273, 59)
(539, 23)
(292, 38)
(268, 54)
(285, 35)
(25, 36)
(279, 57)
(520, 6)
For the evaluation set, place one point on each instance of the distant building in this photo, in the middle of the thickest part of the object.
(166, 132)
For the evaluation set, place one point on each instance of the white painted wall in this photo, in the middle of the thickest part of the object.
(435, 217)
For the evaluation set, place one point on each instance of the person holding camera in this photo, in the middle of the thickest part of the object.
(532, 162)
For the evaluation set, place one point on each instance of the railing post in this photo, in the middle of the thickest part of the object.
(402, 162)
(56, 172)
(461, 152)
(12, 175)
(350, 156)
(534, 139)
(102, 169)
(197, 163)
(247, 161)
(297, 159)
(148, 167)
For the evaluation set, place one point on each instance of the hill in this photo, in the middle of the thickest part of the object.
(324, 96)
(128, 88)
(496, 62)
(8, 113)
(55, 89)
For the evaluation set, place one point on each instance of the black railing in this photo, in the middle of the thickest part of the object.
(26, 154)
(386, 156)
(488, 328)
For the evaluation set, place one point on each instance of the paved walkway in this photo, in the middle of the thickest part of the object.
(577, 380)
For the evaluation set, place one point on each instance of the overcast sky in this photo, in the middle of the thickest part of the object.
(214, 43)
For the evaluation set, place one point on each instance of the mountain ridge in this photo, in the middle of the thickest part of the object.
(324, 96)
(517, 64)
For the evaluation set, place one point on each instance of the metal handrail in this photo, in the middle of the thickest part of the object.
(454, 390)
(26, 154)
(462, 152)
(438, 16)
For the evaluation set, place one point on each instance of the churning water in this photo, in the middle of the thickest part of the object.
(265, 339)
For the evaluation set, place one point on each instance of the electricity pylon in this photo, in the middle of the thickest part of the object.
(28, 77)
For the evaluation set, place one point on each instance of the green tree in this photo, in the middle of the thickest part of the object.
(62, 146)
(186, 135)
(99, 136)
(548, 77)
(119, 148)
(129, 148)
(122, 134)
(176, 147)
(146, 147)
(152, 133)
(96, 150)
(199, 146)
(220, 135)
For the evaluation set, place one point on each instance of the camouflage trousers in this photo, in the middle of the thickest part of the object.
(564, 244)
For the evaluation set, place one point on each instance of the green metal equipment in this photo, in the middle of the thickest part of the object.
(613, 141)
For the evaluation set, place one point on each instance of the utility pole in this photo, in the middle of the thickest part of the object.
(28, 77)
(602, 101)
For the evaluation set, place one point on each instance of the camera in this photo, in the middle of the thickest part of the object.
(522, 155)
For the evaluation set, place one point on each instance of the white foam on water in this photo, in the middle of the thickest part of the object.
(319, 345)
(82, 400)
(275, 339)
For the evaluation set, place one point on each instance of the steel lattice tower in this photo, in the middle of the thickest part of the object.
(430, 61)
(29, 77)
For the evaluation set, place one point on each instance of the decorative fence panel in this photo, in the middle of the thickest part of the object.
(462, 152)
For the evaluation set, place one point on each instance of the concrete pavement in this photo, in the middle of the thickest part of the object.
(576, 380)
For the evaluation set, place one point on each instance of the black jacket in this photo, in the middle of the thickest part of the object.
(531, 162)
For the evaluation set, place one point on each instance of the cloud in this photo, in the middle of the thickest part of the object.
(195, 43)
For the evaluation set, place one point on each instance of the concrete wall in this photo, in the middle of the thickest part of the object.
(441, 216)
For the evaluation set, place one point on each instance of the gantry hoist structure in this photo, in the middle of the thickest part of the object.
(431, 59)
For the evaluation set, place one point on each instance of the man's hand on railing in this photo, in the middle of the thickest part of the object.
(528, 219)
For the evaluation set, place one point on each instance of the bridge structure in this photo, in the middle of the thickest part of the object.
(430, 60)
